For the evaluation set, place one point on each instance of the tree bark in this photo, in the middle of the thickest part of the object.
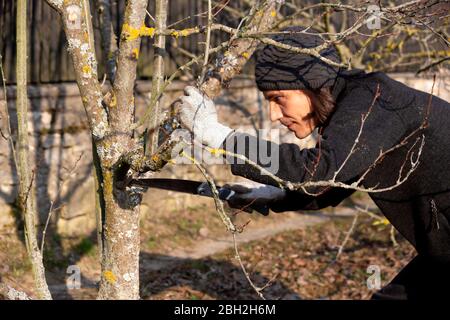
(27, 198)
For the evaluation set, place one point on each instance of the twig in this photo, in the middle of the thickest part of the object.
(433, 64)
(315, 52)
(363, 121)
(219, 205)
(237, 256)
(169, 80)
(369, 213)
(103, 81)
(392, 235)
(51, 209)
(151, 17)
(229, 225)
(347, 236)
(207, 43)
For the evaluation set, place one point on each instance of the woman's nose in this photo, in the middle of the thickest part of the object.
(275, 112)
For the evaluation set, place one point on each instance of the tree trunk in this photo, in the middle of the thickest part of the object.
(27, 198)
(110, 118)
(120, 256)
(120, 263)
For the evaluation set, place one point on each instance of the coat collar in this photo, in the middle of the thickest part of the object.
(341, 81)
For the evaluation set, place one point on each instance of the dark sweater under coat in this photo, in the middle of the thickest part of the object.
(419, 208)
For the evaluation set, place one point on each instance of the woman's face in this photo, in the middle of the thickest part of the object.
(294, 109)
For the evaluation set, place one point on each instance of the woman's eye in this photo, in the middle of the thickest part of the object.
(277, 99)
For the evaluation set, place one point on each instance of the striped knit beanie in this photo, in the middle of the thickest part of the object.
(281, 69)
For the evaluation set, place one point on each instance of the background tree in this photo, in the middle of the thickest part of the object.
(27, 200)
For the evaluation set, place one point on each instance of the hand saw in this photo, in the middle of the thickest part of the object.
(194, 187)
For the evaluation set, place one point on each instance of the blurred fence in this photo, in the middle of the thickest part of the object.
(50, 62)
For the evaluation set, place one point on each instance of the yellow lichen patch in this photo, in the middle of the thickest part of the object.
(147, 32)
(383, 221)
(186, 32)
(375, 55)
(390, 46)
(107, 182)
(155, 158)
(246, 55)
(175, 34)
(110, 276)
(113, 102)
(86, 36)
(86, 69)
(273, 13)
(216, 152)
(130, 32)
(135, 53)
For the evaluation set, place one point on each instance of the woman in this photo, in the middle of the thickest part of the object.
(374, 131)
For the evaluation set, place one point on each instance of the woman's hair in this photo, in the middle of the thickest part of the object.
(324, 104)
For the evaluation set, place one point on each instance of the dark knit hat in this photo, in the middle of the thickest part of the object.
(280, 69)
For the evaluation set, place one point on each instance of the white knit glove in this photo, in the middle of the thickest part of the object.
(250, 192)
(198, 114)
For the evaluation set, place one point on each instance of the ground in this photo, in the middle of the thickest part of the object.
(192, 257)
(302, 262)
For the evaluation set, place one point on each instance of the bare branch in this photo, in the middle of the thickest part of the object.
(76, 25)
(433, 64)
(237, 256)
(240, 50)
(157, 78)
(52, 202)
(56, 4)
(109, 39)
(347, 236)
(207, 42)
(363, 121)
(219, 205)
